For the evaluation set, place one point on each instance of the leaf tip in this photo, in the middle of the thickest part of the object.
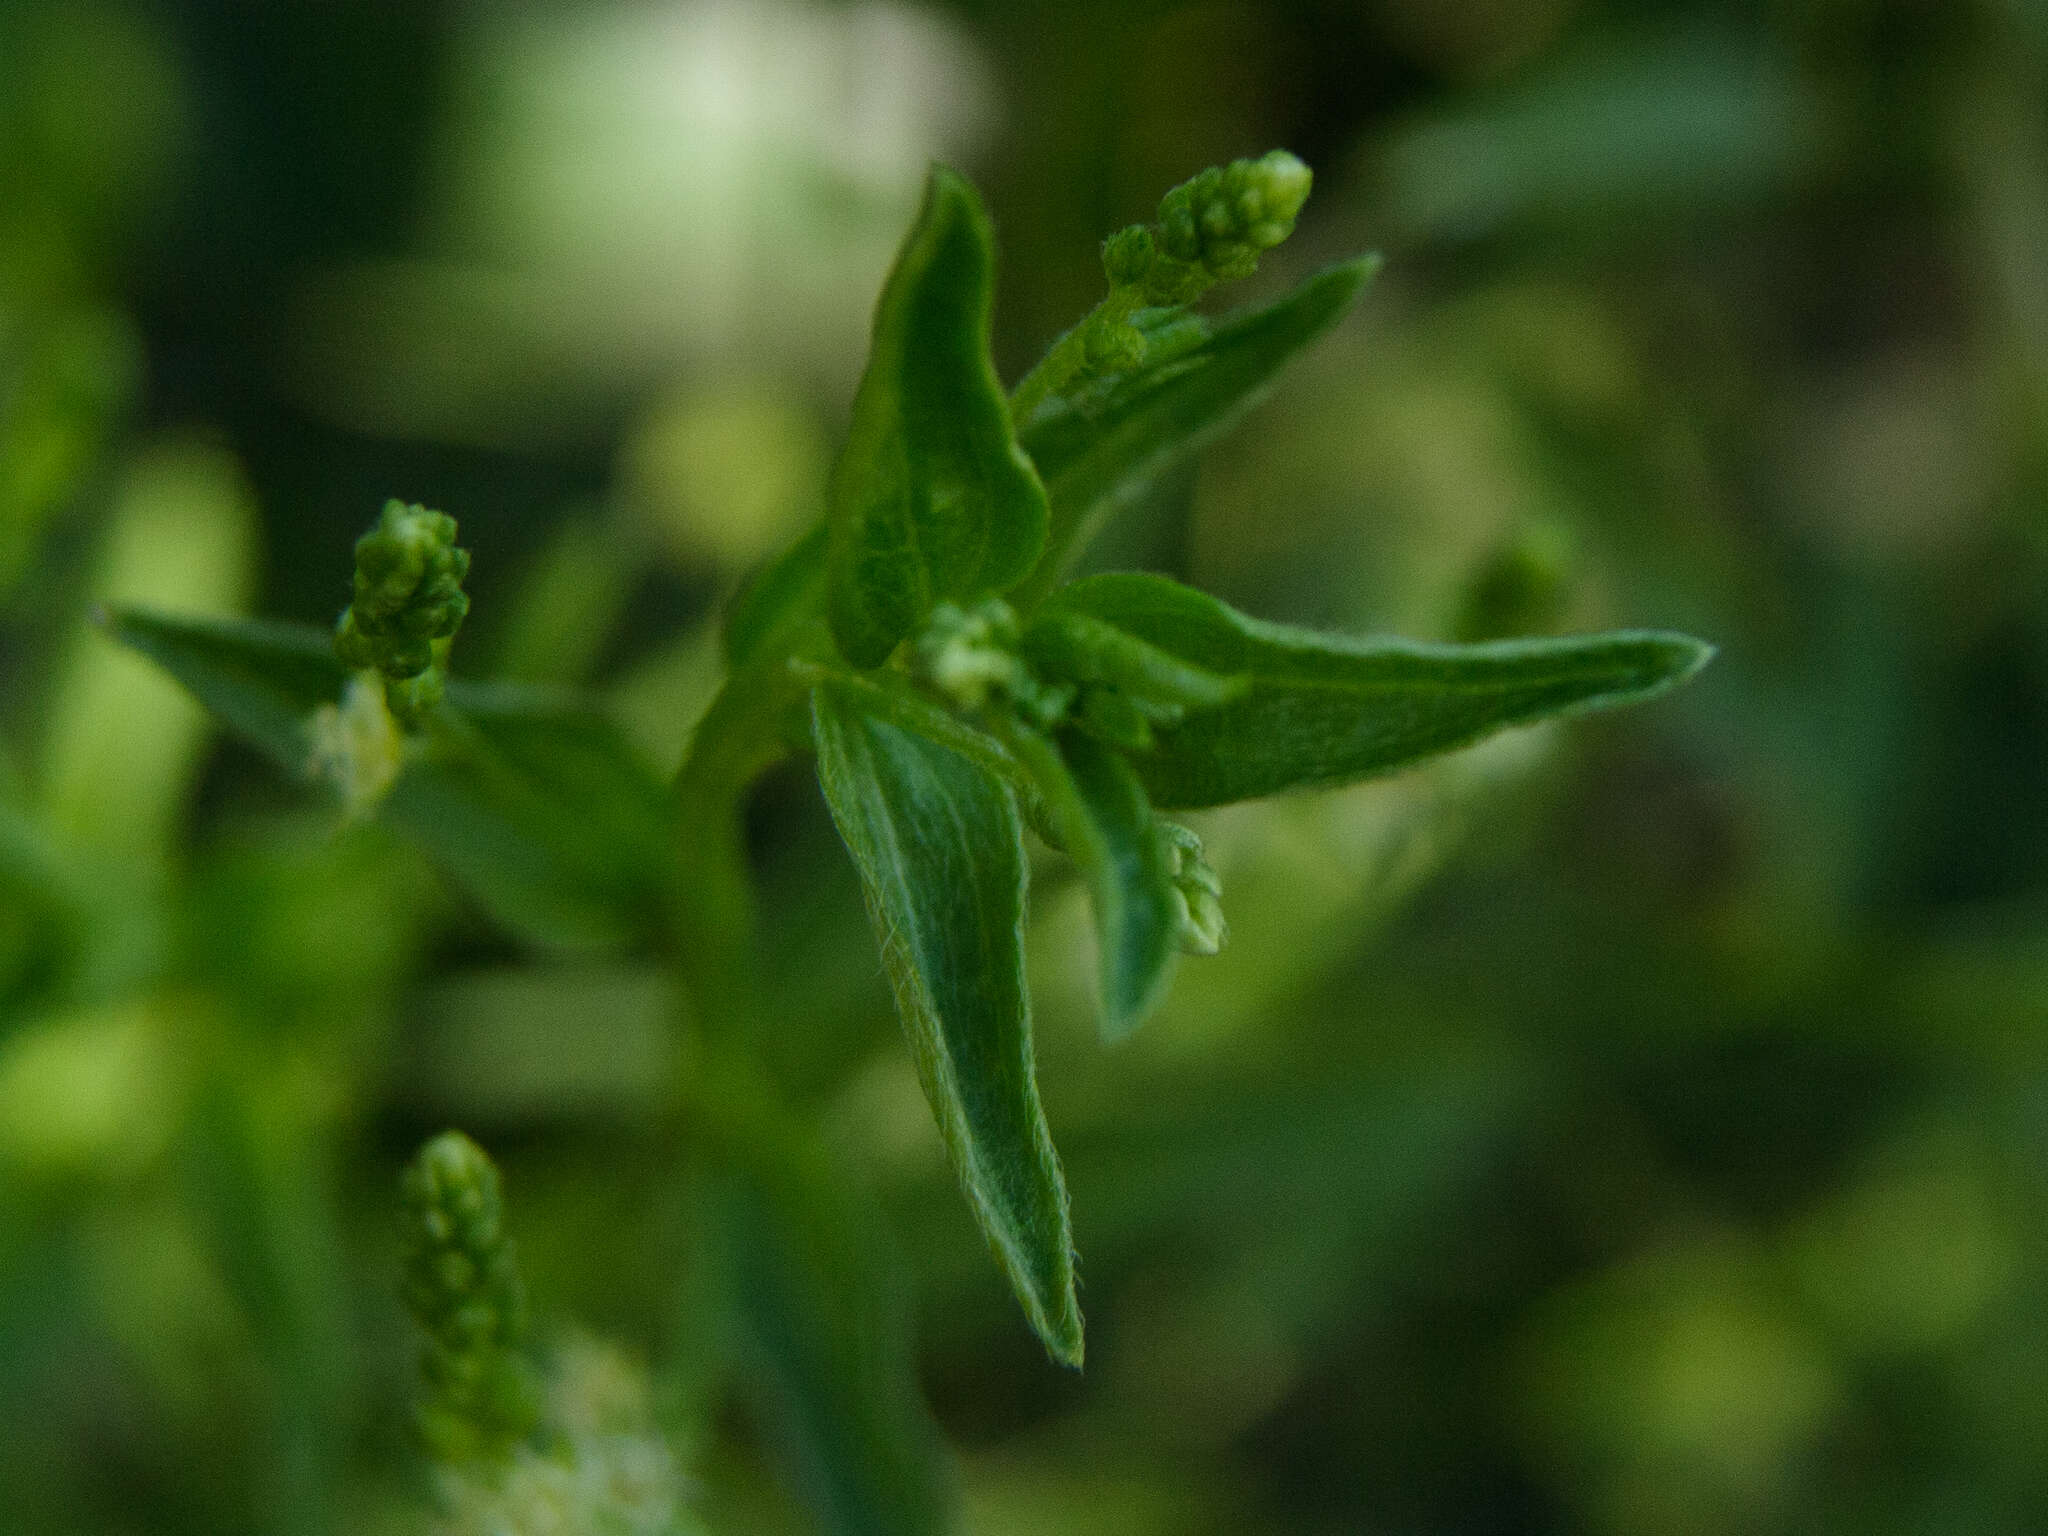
(949, 194)
(1347, 279)
(1680, 658)
(1063, 1336)
(1118, 1017)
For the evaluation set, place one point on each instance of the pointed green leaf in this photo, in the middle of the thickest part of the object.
(1099, 451)
(941, 859)
(532, 801)
(1068, 647)
(1327, 709)
(932, 497)
(1105, 822)
(262, 681)
(782, 597)
(540, 809)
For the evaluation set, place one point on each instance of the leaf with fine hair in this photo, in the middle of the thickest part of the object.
(932, 497)
(1100, 450)
(1320, 709)
(941, 857)
(1105, 822)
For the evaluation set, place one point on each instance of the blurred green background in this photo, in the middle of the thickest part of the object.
(1635, 1128)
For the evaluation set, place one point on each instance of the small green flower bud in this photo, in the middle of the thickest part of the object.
(1198, 893)
(413, 699)
(1209, 229)
(408, 585)
(1221, 219)
(1115, 348)
(462, 1286)
(1283, 184)
(408, 604)
(967, 654)
(1218, 219)
(1128, 255)
(970, 656)
(1180, 235)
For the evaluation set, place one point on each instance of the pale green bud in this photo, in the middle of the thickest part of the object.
(1128, 255)
(1221, 219)
(1197, 891)
(970, 656)
(1114, 347)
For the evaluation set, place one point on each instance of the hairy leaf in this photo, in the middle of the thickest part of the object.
(932, 497)
(1327, 709)
(1099, 451)
(1105, 822)
(941, 858)
(1068, 647)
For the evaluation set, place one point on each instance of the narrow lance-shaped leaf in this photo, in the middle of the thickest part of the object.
(941, 858)
(1328, 709)
(531, 801)
(932, 498)
(1101, 450)
(538, 807)
(1104, 819)
(262, 681)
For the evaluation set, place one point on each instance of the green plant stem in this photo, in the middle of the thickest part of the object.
(715, 922)
(1067, 358)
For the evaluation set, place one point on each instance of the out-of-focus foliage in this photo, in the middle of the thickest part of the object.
(1634, 1127)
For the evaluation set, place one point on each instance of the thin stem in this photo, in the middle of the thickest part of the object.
(1067, 358)
(715, 920)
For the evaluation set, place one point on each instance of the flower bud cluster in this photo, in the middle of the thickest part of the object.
(1210, 229)
(462, 1285)
(408, 594)
(970, 656)
(1073, 673)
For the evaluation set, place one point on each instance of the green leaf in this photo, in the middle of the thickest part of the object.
(262, 681)
(782, 597)
(1099, 451)
(1068, 647)
(1327, 709)
(531, 801)
(819, 1322)
(1105, 822)
(896, 700)
(540, 809)
(932, 497)
(941, 859)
